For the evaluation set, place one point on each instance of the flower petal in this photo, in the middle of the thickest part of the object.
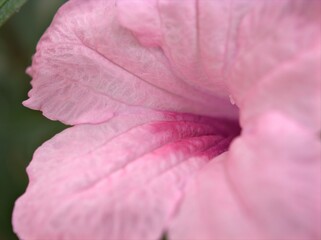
(294, 89)
(234, 47)
(278, 68)
(121, 179)
(193, 34)
(266, 187)
(88, 67)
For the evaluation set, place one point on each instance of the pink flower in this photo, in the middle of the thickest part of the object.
(154, 91)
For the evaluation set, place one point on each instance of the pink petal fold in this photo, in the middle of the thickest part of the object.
(277, 63)
(294, 89)
(121, 179)
(266, 187)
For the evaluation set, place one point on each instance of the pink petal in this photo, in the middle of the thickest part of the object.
(88, 68)
(121, 179)
(234, 47)
(277, 62)
(266, 187)
(193, 35)
(294, 89)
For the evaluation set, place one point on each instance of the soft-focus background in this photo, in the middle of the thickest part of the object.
(21, 130)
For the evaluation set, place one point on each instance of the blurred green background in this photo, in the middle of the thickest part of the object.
(21, 130)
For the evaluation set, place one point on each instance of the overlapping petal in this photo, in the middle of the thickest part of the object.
(121, 179)
(266, 187)
(277, 63)
(293, 89)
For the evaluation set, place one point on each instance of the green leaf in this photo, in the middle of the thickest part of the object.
(8, 8)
